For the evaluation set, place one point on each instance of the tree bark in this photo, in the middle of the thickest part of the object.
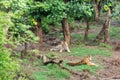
(104, 33)
(107, 28)
(99, 37)
(86, 30)
(96, 13)
(39, 31)
(66, 30)
(97, 9)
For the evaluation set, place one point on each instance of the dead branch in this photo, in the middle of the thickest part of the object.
(59, 63)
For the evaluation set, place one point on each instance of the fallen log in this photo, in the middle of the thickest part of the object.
(59, 63)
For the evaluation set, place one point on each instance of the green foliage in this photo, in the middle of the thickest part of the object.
(20, 33)
(18, 22)
(45, 27)
(106, 7)
(8, 67)
(5, 4)
(38, 10)
(58, 10)
(81, 9)
(21, 30)
(5, 19)
(115, 10)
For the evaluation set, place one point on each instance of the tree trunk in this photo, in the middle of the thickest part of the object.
(99, 37)
(107, 28)
(104, 33)
(39, 31)
(66, 30)
(96, 13)
(86, 30)
(97, 9)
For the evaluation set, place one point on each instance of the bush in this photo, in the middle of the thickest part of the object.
(8, 67)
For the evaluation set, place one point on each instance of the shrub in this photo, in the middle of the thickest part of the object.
(8, 67)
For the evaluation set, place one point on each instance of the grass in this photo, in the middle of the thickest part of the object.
(107, 46)
(76, 36)
(40, 76)
(114, 32)
(84, 51)
(51, 72)
(91, 69)
(91, 36)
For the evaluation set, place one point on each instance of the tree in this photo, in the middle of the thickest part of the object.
(20, 31)
(104, 33)
(65, 27)
(66, 30)
(98, 5)
(54, 10)
(39, 10)
(82, 10)
(59, 10)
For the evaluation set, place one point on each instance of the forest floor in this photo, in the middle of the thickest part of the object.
(110, 64)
